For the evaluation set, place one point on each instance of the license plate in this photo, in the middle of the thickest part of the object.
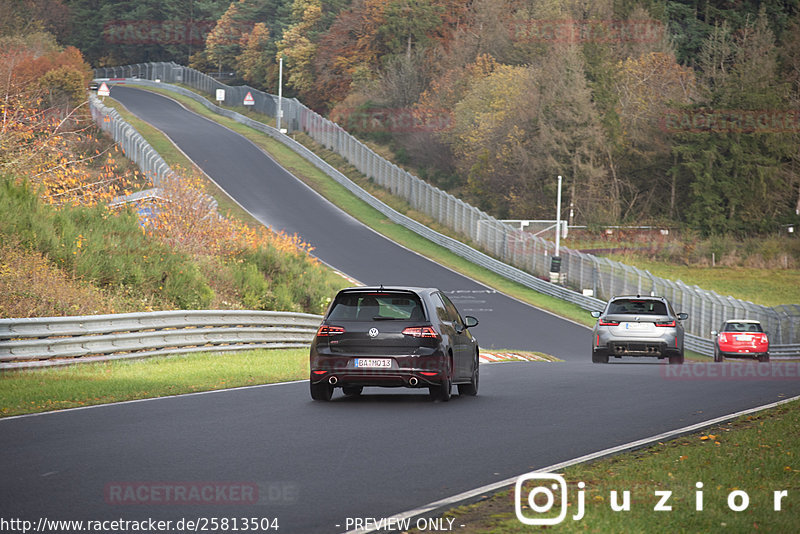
(374, 363)
(635, 326)
(742, 338)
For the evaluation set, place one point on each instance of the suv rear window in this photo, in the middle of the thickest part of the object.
(375, 306)
(637, 307)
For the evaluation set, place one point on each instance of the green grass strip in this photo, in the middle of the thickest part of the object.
(41, 390)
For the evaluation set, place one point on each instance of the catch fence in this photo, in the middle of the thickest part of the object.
(585, 279)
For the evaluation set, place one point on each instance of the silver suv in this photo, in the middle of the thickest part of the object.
(638, 326)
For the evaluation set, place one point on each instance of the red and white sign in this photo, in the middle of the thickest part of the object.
(248, 99)
(103, 90)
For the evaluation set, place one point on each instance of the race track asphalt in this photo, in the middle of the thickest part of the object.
(316, 464)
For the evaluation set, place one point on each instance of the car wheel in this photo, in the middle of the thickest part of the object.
(471, 389)
(599, 357)
(322, 391)
(676, 359)
(442, 391)
(717, 355)
(352, 391)
(763, 357)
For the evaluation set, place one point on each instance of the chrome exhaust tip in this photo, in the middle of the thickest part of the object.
(413, 381)
(333, 380)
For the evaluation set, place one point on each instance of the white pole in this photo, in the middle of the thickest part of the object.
(558, 218)
(280, 93)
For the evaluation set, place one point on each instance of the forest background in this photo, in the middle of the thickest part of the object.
(678, 113)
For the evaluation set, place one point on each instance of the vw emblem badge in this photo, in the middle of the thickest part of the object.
(373, 332)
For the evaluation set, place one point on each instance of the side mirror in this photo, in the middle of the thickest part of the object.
(596, 314)
(470, 321)
(683, 316)
(714, 333)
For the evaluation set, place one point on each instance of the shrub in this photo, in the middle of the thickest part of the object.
(108, 249)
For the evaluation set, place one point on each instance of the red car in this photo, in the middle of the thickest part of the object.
(741, 338)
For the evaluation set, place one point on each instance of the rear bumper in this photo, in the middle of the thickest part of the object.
(639, 347)
(409, 379)
(751, 353)
(406, 371)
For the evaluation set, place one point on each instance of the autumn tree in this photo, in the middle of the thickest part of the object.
(649, 88)
(734, 160)
(256, 64)
(298, 46)
(520, 127)
(224, 42)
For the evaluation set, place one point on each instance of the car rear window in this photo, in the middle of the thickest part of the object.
(376, 306)
(742, 327)
(638, 307)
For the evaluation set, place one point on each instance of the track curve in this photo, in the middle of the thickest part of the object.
(389, 451)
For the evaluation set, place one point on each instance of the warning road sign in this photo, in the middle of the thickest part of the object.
(248, 99)
(103, 90)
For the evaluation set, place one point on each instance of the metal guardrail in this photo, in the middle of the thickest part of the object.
(54, 341)
(784, 351)
(133, 145)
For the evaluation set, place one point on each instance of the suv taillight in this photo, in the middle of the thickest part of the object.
(667, 323)
(420, 331)
(604, 322)
(328, 331)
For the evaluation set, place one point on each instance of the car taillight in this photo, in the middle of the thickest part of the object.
(420, 331)
(328, 331)
(723, 338)
(667, 323)
(604, 322)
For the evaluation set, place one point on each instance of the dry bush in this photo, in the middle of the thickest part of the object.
(31, 286)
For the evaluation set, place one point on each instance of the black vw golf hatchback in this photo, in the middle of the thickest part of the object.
(394, 337)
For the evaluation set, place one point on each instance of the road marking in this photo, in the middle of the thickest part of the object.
(210, 391)
(515, 356)
(450, 502)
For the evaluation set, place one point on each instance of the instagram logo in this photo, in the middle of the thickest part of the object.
(541, 499)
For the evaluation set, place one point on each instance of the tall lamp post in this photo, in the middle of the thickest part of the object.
(555, 261)
(280, 93)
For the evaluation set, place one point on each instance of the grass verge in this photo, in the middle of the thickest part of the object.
(755, 455)
(40, 390)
